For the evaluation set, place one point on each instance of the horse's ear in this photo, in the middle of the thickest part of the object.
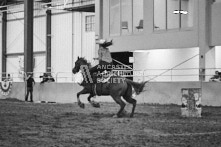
(78, 57)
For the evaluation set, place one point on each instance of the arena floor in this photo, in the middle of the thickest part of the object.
(67, 125)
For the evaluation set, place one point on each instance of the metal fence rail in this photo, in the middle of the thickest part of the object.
(152, 75)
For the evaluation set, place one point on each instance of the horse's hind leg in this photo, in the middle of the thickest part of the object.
(118, 100)
(131, 101)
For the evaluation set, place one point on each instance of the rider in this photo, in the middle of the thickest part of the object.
(104, 57)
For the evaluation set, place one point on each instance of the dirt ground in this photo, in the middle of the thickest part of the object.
(67, 125)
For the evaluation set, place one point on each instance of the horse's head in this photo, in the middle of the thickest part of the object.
(80, 61)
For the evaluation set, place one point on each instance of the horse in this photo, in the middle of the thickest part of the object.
(116, 87)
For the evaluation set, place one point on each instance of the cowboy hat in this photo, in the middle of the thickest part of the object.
(104, 42)
(101, 41)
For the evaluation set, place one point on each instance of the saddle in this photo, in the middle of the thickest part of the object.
(102, 77)
(105, 76)
(100, 82)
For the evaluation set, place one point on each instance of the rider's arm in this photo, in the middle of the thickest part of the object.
(100, 53)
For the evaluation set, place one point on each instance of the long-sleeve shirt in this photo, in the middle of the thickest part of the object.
(30, 82)
(104, 55)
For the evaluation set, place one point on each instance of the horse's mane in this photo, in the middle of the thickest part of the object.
(85, 61)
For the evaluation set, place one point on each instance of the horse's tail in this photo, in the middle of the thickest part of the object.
(138, 86)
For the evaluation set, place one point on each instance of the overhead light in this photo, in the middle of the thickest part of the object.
(176, 12)
(180, 12)
(183, 12)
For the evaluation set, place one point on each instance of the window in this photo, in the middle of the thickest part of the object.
(186, 13)
(173, 14)
(137, 15)
(126, 16)
(89, 23)
(115, 17)
(159, 14)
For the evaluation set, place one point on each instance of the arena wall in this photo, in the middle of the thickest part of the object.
(178, 60)
(154, 92)
(218, 57)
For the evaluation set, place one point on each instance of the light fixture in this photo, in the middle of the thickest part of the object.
(183, 12)
(176, 12)
(180, 12)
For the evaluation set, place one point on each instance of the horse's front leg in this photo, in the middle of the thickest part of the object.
(89, 98)
(84, 91)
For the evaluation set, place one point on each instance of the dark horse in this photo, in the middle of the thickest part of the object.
(115, 87)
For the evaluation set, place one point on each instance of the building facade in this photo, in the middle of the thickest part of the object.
(61, 32)
(161, 40)
(171, 40)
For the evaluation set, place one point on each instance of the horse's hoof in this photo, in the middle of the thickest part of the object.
(81, 105)
(115, 116)
(124, 112)
(95, 104)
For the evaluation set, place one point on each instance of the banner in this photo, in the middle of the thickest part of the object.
(5, 87)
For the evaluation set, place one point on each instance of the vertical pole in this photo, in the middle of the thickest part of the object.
(98, 22)
(28, 35)
(101, 19)
(48, 39)
(204, 24)
(4, 43)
